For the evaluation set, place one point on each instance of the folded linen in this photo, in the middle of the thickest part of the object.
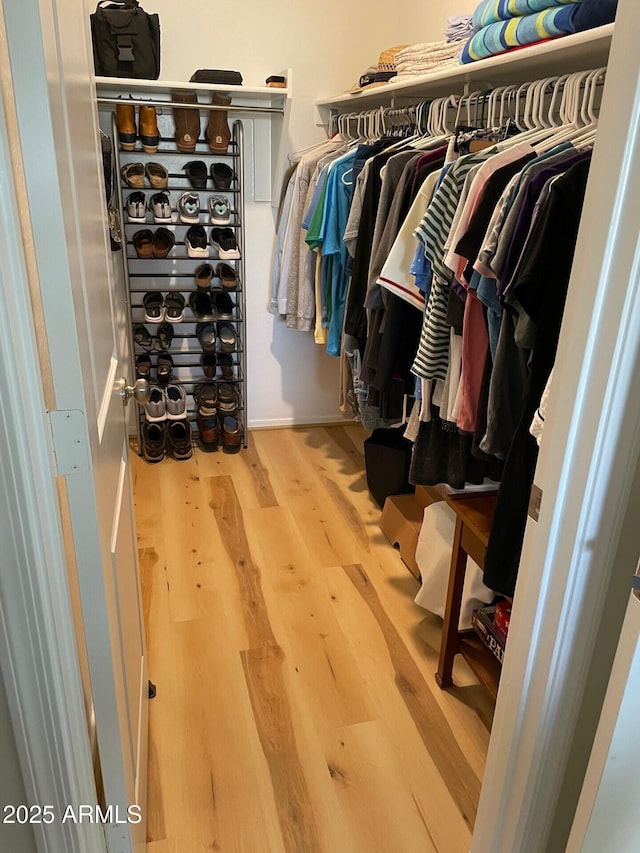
(459, 28)
(426, 53)
(447, 65)
(492, 11)
(423, 49)
(518, 32)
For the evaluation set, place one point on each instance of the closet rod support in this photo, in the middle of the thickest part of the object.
(150, 102)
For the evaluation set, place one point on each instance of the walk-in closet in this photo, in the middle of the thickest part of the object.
(320, 451)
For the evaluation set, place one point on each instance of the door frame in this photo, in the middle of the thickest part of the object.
(579, 558)
(39, 156)
(574, 562)
(38, 654)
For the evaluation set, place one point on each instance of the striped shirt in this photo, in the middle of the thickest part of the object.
(432, 358)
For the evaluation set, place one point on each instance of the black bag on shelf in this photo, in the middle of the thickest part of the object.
(387, 459)
(215, 75)
(126, 40)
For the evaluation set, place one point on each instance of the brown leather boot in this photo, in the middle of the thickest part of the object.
(149, 133)
(218, 133)
(126, 124)
(187, 121)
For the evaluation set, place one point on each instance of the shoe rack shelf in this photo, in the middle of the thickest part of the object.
(176, 272)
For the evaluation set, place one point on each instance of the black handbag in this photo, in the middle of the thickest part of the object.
(214, 75)
(126, 40)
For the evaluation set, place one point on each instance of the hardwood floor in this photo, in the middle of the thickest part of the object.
(297, 708)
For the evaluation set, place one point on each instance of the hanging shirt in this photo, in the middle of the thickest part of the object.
(278, 303)
(502, 228)
(337, 206)
(480, 180)
(296, 255)
(395, 275)
(541, 288)
(432, 357)
(390, 176)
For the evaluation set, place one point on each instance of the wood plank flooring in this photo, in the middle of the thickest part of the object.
(297, 709)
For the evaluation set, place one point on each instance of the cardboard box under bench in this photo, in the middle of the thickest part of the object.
(402, 519)
(402, 516)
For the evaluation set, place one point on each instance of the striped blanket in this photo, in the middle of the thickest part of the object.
(517, 32)
(492, 11)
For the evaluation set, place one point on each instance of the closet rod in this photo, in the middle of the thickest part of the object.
(150, 102)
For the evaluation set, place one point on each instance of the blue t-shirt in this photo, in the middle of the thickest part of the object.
(336, 213)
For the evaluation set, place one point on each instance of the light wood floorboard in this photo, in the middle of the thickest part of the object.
(297, 709)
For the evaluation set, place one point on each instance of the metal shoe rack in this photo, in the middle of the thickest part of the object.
(176, 272)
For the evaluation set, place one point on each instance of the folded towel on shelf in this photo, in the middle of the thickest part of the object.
(493, 11)
(425, 50)
(595, 13)
(459, 28)
(427, 68)
(426, 57)
(518, 32)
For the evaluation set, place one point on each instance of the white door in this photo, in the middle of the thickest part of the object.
(84, 326)
(607, 817)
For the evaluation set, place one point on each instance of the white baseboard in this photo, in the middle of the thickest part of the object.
(317, 420)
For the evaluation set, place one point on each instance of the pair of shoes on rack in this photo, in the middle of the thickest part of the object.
(164, 367)
(189, 209)
(207, 305)
(223, 241)
(133, 174)
(187, 121)
(166, 403)
(128, 132)
(206, 399)
(164, 337)
(159, 204)
(166, 437)
(217, 417)
(153, 244)
(221, 175)
(205, 273)
(158, 307)
(209, 333)
(210, 362)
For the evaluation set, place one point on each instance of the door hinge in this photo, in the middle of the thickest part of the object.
(535, 501)
(69, 437)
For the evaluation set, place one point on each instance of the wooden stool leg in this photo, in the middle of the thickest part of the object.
(449, 643)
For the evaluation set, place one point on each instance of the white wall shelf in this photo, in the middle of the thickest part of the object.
(245, 96)
(577, 52)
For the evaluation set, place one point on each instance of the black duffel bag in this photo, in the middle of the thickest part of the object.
(126, 40)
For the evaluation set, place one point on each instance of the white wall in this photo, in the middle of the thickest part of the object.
(328, 46)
